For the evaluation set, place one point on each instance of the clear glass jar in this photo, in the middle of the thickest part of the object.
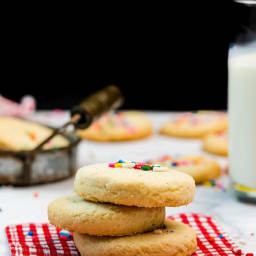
(242, 104)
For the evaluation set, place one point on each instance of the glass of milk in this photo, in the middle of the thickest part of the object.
(242, 107)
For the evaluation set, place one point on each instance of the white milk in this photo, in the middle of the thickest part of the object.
(242, 115)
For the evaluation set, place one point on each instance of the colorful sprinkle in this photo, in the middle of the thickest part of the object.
(36, 195)
(220, 236)
(32, 135)
(65, 235)
(145, 168)
(30, 233)
(137, 165)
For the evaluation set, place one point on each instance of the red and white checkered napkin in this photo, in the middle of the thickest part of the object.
(45, 239)
(22, 109)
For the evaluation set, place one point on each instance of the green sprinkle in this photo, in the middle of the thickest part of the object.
(145, 168)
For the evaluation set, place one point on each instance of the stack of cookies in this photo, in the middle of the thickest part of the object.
(119, 209)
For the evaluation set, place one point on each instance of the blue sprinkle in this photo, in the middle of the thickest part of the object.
(65, 234)
(220, 236)
(30, 233)
(121, 161)
(174, 164)
(164, 226)
(171, 231)
(1, 210)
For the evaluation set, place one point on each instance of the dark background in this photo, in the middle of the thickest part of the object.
(163, 57)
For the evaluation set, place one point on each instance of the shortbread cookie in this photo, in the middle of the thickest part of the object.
(76, 214)
(174, 239)
(199, 167)
(17, 134)
(216, 144)
(134, 184)
(121, 126)
(196, 125)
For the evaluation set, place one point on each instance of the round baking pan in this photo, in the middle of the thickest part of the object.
(23, 168)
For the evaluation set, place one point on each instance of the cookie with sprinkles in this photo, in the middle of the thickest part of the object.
(17, 134)
(196, 125)
(199, 167)
(173, 239)
(216, 144)
(76, 214)
(121, 126)
(134, 184)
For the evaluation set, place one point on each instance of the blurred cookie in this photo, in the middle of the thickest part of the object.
(76, 214)
(196, 125)
(134, 184)
(199, 167)
(17, 134)
(216, 144)
(173, 239)
(121, 126)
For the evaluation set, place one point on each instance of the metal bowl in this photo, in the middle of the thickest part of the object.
(21, 168)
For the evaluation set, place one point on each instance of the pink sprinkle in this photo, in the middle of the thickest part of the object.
(111, 165)
(131, 129)
(184, 162)
(218, 185)
(96, 125)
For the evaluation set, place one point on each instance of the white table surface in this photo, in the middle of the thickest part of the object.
(238, 219)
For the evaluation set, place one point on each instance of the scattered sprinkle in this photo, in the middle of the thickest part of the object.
(36, 195)
(214, 184)
(1, 209)
(171, 161)
(30, 233)
(32, 135)
(65, 235)
(137, 165)
(164, 226)
(220, 236)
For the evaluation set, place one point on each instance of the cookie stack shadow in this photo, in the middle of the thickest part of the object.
(119, 209)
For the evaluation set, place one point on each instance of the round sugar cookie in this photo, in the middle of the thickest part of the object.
(216, 144)
(18, 134)
(196, 125)
(121, 126)
(134, 184)
(76, 214)
(199, 167)
(175, 239)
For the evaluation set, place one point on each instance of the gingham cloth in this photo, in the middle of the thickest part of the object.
(45, 239)
(22, 109)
